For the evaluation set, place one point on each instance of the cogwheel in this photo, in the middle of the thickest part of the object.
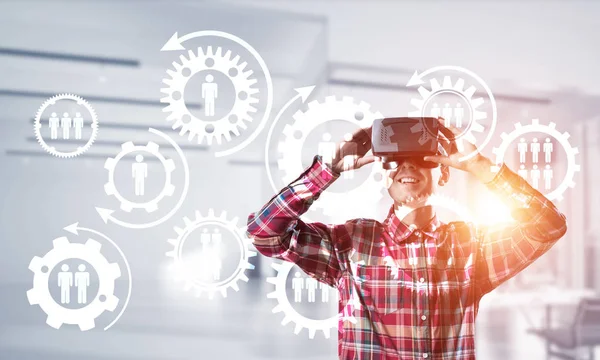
(37, 126)
(127, 148)
(40, 294)
(290, 314)
(369, 192)
(562, 138)
(458, 89)
(230, 67)
(192, 280)
(435, 200)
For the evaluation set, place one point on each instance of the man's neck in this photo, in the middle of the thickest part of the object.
(419, 216)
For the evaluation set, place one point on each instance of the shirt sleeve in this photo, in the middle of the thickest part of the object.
(278, 232)
(504, 251)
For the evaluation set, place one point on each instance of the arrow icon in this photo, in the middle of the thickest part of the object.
(415, 79)
(173, 44)
(104, 214)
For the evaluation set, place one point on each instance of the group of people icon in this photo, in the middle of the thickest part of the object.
(309, 284)
(66, 122)
(211, 262)
(210, 92)
(450, 114)
(327, 149)
(535, 174)
(66, 279)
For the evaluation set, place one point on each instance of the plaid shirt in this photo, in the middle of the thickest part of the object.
(418, 289)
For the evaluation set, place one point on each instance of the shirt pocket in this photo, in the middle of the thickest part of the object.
(381, 291)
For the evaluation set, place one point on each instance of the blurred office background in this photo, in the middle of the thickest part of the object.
(539, 58)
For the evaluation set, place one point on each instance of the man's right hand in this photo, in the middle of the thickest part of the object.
(362, 139)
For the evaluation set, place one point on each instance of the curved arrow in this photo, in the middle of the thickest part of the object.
(106, 214)
(73, 228)
(175, 43)
(303, 93)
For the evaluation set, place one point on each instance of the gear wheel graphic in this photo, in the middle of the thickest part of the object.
(562, 138)
(448, 87)
(127, 148)
(437, 201)
(291, 315)
(230, 67)
(369, 192)
(37, 126)
(191, 280)
(40, 294)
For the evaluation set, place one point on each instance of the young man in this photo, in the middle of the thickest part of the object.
(423, 304)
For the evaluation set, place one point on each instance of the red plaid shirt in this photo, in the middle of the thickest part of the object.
(422, 304)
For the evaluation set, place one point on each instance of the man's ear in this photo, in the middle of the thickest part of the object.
(445, 175)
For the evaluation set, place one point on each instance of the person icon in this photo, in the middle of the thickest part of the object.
(139, 172)
(53, 123)
(324, 292)
(217, 262)
(65, 281)
(311, 288)
(209, 95)
(535, 150)
(326, 150)
(522, 172)
(447, 115)
(548, 175)
(522, 149)
(459, 114)
(348, 152)
(82, 281)
(65, 124)
(297, 286)
(205, 257)
(78, 124)
(548, 147)
(535, 177)
(435, 111)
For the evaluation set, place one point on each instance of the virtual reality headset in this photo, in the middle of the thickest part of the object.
(396, 139)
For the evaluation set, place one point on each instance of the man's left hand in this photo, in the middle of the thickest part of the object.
(476, 164)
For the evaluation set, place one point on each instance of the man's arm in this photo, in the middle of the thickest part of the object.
(504, 252)
(278, 232)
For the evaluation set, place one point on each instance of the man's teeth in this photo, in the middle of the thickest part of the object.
(408, 180)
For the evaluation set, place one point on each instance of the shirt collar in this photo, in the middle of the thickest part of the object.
(400, 231)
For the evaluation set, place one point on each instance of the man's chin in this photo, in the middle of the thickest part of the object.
(417, 200)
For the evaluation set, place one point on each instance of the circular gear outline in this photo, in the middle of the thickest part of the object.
(111, 164)
(305, 122)
(52, 150)
(435, 200)
(107, 274)
(222, 127)
(476, 116)
(291, 315)
(245, 243)
(562, 138)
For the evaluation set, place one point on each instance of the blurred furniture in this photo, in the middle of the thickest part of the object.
(583, 332)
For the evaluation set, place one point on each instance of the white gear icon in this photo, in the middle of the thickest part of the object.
(369, 192)
(230, 67)
(291, 315)
(436, 200)
(562, 138)
(448, 87)
(127, 148)
(40, 294)
(37, 126)
(191, 280)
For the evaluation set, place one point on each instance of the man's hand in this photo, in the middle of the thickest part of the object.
(362, 139)
(477, 164)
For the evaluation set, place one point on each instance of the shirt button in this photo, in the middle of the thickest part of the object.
(422, 279)
(425, 356)
(423, 317)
